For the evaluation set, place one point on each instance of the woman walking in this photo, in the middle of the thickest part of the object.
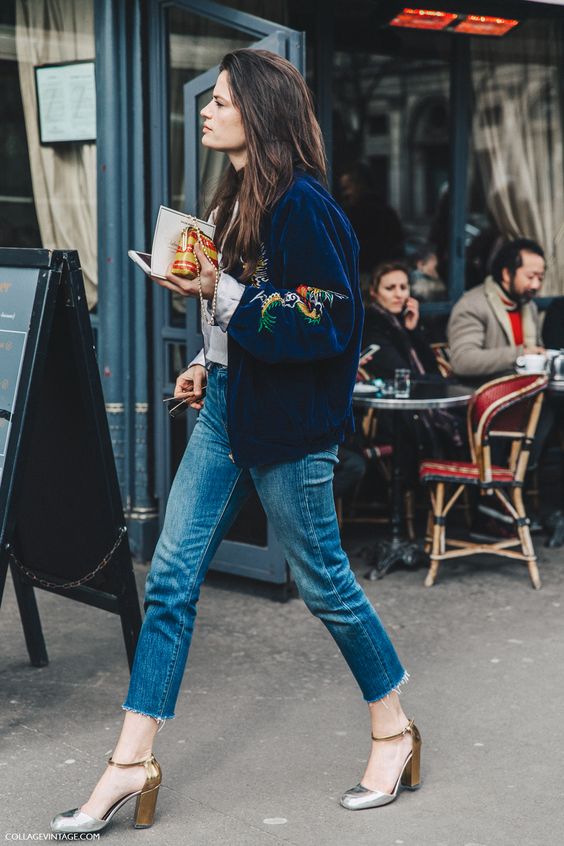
(282, 327)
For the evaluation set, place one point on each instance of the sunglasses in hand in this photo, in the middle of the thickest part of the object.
(181, 405)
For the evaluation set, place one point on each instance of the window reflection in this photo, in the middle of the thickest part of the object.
(176, 361)
(391, 153)
(195, 44)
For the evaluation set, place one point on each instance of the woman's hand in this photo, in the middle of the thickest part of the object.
(189, 287)
(190, 384)
(411, 313)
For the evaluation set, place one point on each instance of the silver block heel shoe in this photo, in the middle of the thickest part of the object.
(358, 798)
(77, 821)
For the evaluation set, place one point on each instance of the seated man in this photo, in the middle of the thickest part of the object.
(489, 327)
(494, 323)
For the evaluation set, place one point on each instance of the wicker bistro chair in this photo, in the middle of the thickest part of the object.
(506, 408)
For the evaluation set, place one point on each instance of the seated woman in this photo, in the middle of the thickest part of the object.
(392, 322)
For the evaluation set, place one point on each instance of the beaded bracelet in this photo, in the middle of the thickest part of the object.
(217, 275)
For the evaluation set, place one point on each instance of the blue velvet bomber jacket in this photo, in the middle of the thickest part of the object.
(294, 338)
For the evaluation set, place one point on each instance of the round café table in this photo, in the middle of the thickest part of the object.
(424, 396)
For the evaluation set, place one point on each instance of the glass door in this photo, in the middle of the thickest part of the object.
(194, 36)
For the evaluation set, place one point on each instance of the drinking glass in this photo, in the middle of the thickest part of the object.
(402, 383)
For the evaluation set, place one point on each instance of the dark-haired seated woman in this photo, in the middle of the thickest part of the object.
(392, 322)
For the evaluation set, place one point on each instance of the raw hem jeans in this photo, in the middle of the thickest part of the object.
(204, 500)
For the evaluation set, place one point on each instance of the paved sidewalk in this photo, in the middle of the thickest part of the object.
(271, 729)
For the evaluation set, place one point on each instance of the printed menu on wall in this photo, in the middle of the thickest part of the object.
(66, 102)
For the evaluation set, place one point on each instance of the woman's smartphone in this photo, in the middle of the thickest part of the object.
(369, 351)
(142, 260)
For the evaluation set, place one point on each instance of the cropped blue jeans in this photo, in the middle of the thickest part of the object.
(204, 500)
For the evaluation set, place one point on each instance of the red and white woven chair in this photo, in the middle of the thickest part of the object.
(506, 408)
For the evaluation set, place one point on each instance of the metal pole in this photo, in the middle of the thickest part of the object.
(324, 47)
(123, 340)
(143, 515)
(110, 227)
(460, 110)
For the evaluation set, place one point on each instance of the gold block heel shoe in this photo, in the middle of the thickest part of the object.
(77, 821)
(358, 798)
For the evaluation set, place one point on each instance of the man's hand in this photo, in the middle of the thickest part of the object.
(189, 287)
(534, 351)
(190, 384)
(411, 314)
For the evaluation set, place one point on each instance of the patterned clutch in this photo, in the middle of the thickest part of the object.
(186, 263)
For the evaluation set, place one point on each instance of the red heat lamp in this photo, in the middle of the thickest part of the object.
(467, 24)
(423, 19)
(484, 25)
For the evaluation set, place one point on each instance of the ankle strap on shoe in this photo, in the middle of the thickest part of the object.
(407, 730)
(148, 760)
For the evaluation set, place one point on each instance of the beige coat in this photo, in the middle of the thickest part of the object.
(480, 336)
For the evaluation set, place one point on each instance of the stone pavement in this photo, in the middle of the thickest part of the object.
(271, 729)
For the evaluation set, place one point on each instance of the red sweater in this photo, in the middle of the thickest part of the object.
(516, 320)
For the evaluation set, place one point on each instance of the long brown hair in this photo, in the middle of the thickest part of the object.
(281, 133)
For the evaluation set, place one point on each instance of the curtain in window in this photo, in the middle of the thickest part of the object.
(518, 137)
(64, 179)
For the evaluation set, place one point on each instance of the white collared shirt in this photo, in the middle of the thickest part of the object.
(214, 351)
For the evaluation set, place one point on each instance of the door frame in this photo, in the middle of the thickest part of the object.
(232, 557)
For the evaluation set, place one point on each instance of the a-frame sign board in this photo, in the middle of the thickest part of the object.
(62, 526)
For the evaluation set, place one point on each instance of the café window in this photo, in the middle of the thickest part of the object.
(515, 178)
(446, 145)
(195, 43)
(391, 148)
(47, 191)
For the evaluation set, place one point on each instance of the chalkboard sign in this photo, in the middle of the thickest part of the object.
(17, 296)
(62, 526)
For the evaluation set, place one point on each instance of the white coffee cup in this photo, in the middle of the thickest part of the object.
(531, 363)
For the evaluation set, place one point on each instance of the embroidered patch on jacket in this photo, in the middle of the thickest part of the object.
(310, 303)
(260, 276)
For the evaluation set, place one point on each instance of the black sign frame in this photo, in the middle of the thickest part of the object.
(62, 526)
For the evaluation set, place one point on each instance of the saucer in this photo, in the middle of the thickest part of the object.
(361, 388)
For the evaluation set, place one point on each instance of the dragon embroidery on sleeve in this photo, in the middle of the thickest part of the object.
(260, 275)
(310, 303)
